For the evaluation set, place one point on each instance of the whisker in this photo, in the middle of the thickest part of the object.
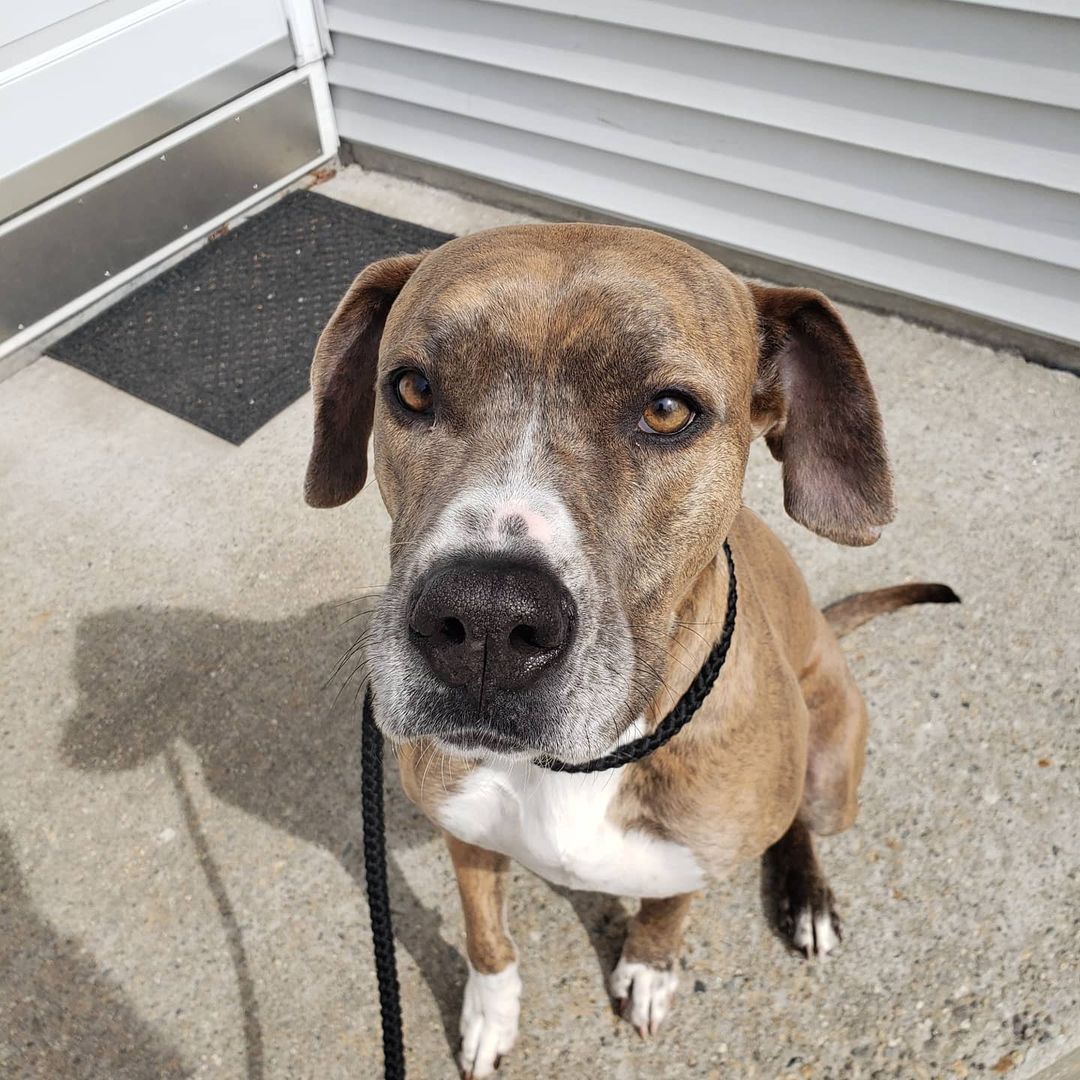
(673, 639)
(429, 753)
(367, 613)
(701, 637)
(672, 659)
(360, 686)
(365, 593)
(350, 652)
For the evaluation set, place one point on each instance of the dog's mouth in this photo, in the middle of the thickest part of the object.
(475, 742)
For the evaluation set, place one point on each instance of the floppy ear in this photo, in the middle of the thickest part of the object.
(343, 381)
(815, 406)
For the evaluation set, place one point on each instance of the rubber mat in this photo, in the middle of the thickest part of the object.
(224, 339)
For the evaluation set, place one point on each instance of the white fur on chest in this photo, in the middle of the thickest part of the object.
(557, 825)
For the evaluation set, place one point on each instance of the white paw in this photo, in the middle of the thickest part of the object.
(815, 933)
(644, 994)
(489, 1020)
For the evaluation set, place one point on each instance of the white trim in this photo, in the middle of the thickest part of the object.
(305, 29)
(324, 108)
(324, 27)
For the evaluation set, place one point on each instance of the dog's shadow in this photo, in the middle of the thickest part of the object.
(272, 738)
(278, 738)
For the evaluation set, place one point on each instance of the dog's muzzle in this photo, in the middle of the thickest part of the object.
(489, 626)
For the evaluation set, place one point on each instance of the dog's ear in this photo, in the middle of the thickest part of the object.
(814, 404)
(343, 381)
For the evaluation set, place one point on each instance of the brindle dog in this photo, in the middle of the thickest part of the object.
(562, 416)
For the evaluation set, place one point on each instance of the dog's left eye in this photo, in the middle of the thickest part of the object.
(666, 414)
(414, 391)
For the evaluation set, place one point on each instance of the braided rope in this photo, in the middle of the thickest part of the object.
(684, 709)
(382, 930)
(371, 799)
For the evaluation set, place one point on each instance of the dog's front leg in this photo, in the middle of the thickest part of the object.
(644, 980)
(489, 1014)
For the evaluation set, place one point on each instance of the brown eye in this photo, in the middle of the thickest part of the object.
(666, 414)
(414, 391)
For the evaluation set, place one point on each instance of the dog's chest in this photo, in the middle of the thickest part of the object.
(557, 825)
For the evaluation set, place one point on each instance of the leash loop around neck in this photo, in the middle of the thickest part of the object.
(371, 804)
(691, 700)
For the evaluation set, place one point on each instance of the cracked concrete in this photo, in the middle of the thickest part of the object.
(180, 884)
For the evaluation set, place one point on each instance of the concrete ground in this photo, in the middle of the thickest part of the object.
(180, 882)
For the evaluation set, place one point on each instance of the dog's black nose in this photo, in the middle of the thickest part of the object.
(493, 625)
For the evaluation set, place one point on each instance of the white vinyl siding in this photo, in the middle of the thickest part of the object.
(930, 147)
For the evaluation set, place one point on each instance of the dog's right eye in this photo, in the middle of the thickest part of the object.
(667, 414)
(414, 391)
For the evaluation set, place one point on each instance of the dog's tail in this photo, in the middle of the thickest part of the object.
(847, 614)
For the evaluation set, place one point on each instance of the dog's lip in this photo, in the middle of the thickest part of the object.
(474, 740)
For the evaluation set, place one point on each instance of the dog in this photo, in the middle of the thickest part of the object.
(562, 416)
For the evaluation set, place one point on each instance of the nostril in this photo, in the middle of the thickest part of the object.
(530, 639)
(453, 630)
(524, 639)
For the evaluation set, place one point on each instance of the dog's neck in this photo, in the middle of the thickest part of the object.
(694, 624)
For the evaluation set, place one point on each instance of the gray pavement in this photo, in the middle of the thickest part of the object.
(180, 886)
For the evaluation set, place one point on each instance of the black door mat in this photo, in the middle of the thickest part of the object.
(224, 339)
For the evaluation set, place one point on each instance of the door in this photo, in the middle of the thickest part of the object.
(115, 144)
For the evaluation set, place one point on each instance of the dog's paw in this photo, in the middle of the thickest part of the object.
(489, 1020)
(643, 994)
(809, 921)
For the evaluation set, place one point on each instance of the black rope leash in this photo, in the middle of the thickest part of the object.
(371, 800)
(382, 929)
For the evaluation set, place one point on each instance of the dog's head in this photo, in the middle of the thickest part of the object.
(562, 416)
